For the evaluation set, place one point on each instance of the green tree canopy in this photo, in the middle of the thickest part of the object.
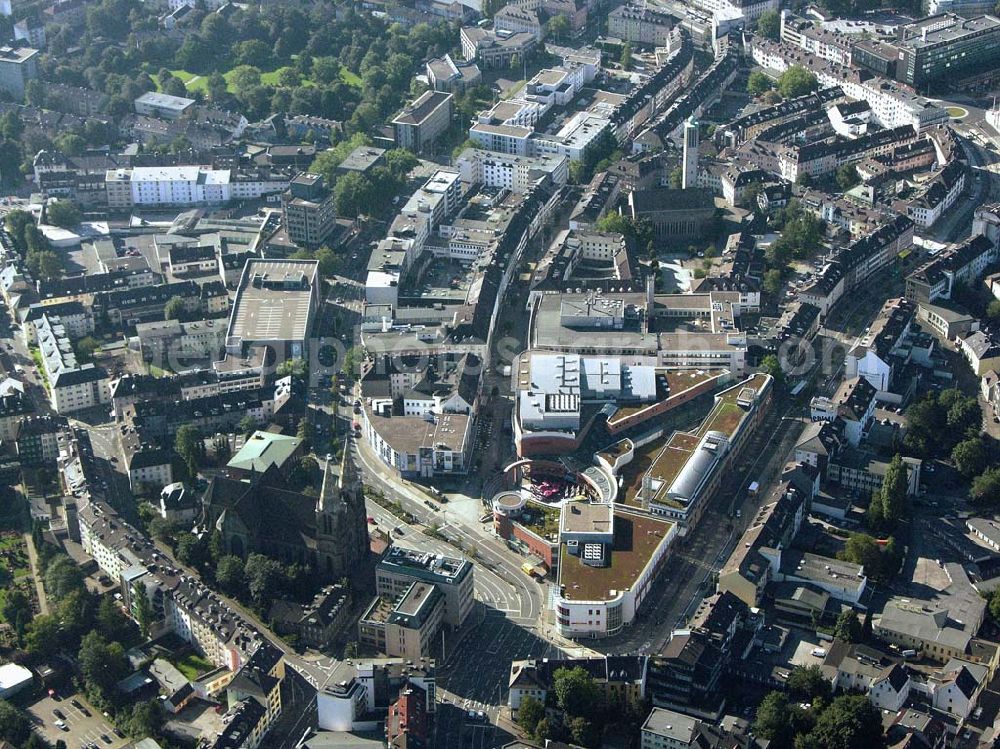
(174, 309)
(529, 714)
(769, 24)
(986, 487)
(229, 574)
(575, 690)
(807, 684)
(796, 81)
(189, 446)
(850, 722)
(848, 627)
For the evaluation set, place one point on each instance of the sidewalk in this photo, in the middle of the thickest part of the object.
(43, 602)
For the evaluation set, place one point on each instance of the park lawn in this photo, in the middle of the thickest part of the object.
(192, 81)
(349, 77)
(195, 82)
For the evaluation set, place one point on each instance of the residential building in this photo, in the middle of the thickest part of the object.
(620, 679)
(982, 352)
(168, 186)
(72, 386)
(669, 729)
(18, 65)
(641, 24)
(37, 439)
(316, 624)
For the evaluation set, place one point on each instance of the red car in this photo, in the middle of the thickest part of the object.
(371, 520)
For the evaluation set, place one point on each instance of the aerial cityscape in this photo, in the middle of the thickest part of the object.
(473, 374)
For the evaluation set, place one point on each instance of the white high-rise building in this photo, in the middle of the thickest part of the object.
(689, 166)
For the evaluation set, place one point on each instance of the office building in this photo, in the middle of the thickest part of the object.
(423, 121)
(946, 46)
(164, 106)
(307, 210)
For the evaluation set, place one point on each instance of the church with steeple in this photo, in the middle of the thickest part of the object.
(261, 515)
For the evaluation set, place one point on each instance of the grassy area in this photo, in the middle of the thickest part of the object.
(193, 665)
(195, 82)
(350, 78)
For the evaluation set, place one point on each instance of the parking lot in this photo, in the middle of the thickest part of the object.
(84, 726)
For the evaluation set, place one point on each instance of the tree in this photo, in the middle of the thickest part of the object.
(229, 574)
(14, 725)
(294, 367)
(773, 721)
(191, 550)
(583, 731)
(772, 366)
(970, 456)
(893, 492)
(264, 577)
(576, 692)
(289, 77)
(848, 627)
(62, 213)
(42, 637)
(174, 308)
(807, 684)
(244, 78)
(162, 529)
(626, 58)
(325, 70)
(772, 281)
(864, 550)
(557, 26)
(985, 488)
(850, 722)
(218, 87)
(14, 602)
(102, 664)
(112, 622)
(70, 144)
(45, 265)
(995, 605)
(351, 194)
(305, 432)
(529, 714)
(62, 577)
(247, 425)
(993, 311)
(676, 178)
(796, 81)
(144, 614)
(189, 446)
(86, 347)
(847, 176)
(146, 720)
(769, 24)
